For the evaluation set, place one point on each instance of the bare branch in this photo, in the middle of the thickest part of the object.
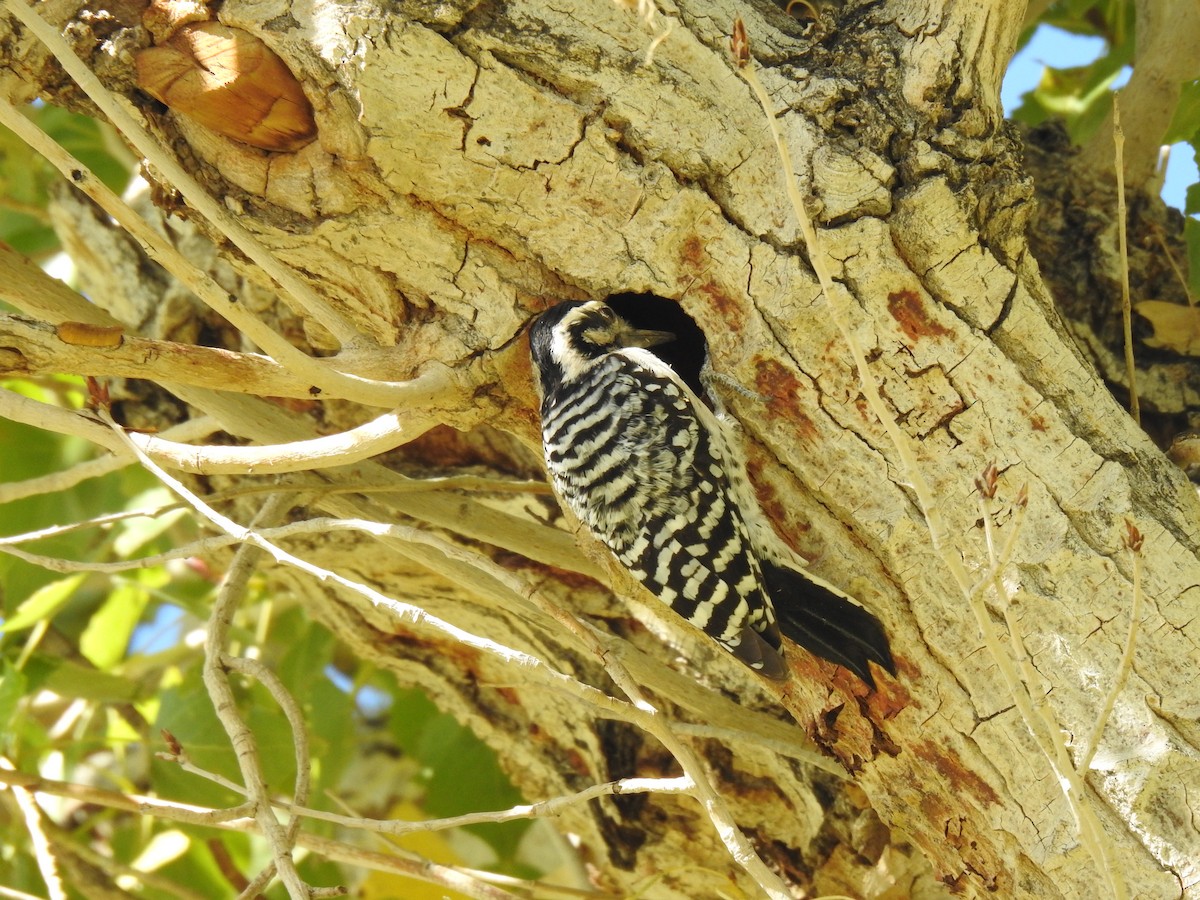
(216, 681)
(383, 433)
(42, 852)
(542, 809)
(65, 479)
(34, 348)
(238, 820)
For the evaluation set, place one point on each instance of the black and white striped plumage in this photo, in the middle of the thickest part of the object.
(643, 464)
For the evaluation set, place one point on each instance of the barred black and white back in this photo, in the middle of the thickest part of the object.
(643, 464)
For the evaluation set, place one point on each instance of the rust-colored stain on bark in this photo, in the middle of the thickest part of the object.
(294, 404)
(513, 697)
(1038, 423)
(908, 311)
(443, 446)
(960, 778)
(410, 644)
(694, 264)
(729, 309)
(764, 492)
(569, 579)
(692, 254)
(891, 696)
(787, 527)
(781, 387)
(578, 764)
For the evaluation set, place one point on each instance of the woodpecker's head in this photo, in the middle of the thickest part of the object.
(567, 340)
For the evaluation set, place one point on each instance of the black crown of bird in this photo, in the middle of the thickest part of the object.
(648, 469)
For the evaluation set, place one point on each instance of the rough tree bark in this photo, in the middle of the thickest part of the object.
(476, 161)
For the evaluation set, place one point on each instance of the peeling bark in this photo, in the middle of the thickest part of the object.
(476, 161)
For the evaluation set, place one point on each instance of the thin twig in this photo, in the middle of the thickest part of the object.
(32, 814)
(291, 710)
(1036, 710)
(1159, 236)
(820, 265)
(383, 433)
(540, 810)
(473, 483)
(239, 820)
(65, 479)
(531, 665)
(260, 882)
(133, 803)
(216, 682)
(45, 351)
(178, 755)
(466, 881)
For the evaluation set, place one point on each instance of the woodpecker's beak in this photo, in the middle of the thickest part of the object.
(637, 337)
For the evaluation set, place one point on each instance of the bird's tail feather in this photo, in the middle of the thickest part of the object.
(826, 624)
(760, 654)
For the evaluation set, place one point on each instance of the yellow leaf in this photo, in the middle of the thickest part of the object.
(1175, 327)
(430, 844)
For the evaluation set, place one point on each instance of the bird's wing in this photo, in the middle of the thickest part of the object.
(667, 514)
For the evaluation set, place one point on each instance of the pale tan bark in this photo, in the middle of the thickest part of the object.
(477, 161)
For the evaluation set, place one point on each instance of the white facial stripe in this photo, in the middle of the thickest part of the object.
(564, 354)
(573, 363)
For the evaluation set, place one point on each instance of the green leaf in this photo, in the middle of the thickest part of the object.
(195, 870)
(1192, 199)
(307, 651)
(333, 737)
(90, 142)
(25, 178)
(272, 734)
(13, 685)
(1191, 231)
(43, 604)
(466, 777)
(186, 711)
(1112, 20)
(409, 716)
(107, 633)
(1185, 123)
(72, 679)
(134, 534)
(1081, 97)
(24, 223)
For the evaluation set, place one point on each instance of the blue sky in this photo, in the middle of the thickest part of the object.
(1064, 49)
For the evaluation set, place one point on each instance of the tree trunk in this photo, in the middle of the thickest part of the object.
(475, 162)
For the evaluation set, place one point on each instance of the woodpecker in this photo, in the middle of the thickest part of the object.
(645, 466)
